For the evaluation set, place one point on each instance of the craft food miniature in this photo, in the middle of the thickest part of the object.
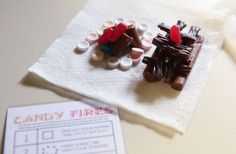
(122, 39)
(118, 41)
(175, 55)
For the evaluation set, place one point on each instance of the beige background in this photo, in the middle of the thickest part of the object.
(28, 27)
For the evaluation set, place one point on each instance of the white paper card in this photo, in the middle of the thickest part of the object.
(63, 128)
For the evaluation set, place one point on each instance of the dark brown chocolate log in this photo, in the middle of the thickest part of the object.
(164, 27)
(169, 72)
(179, 52)
(164, 40)
(150, 72)
(159, 69)
(132, 32)
(120, 45)
(181, 79)
(186, 38)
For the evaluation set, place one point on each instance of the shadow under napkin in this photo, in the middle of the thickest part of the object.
(33, 80)
(150, 92)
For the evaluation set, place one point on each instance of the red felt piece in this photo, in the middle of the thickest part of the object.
(105, 38)
(117, 32)
(175, 34)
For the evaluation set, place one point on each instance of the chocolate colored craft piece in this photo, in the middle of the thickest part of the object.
(120, 45)
(180, 80)
(171, 60)
(132, 32)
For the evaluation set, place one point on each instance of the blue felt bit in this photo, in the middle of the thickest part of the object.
(106, 50)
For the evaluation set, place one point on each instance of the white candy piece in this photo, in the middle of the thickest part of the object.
(146, 44)
(92, 38)
(113, 62)
(108, 24)
(83, 46)
(100, 31)
(119, 20)
(142, 28)
(138, 50)
(130, 22)
(126, 63)
(97, 56)
(148, 36)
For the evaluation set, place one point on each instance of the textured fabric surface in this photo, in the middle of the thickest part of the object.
(157, 102)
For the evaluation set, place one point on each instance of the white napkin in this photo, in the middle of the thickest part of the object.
(155, 102)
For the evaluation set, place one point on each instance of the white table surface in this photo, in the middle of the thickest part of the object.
(28, 27)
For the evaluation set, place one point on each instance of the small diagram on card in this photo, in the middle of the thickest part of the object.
(48, 149)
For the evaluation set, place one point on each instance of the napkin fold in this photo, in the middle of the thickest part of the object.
(157, 103)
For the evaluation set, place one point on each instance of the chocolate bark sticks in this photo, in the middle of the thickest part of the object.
(175, 55)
